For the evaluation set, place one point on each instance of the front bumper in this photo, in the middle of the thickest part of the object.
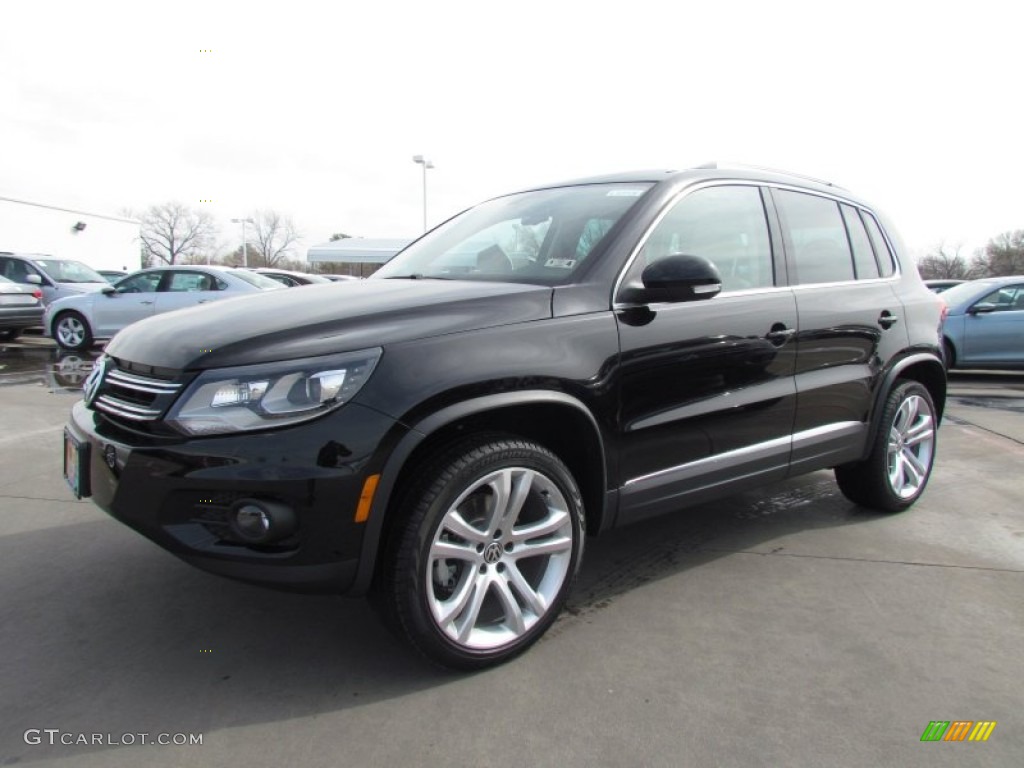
(180, 493)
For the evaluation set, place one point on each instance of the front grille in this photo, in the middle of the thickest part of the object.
(131, 397)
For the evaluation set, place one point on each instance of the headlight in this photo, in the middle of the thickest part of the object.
(274, 395)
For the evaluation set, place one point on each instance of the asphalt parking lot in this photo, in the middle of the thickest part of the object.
(785, 627)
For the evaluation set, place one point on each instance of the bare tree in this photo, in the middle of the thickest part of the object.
(945, 263)
(173, 233)
(1004, 255)
(273, 240)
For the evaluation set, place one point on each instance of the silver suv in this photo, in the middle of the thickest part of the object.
(56, 278)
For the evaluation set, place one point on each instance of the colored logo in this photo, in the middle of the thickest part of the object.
(958, 730)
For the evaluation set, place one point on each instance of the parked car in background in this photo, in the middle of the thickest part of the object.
(289, 278)
(984, 326)
(76, 322)
(939, 286)
(56, 278)
(112, 275)
(444, 434)
(21, 307)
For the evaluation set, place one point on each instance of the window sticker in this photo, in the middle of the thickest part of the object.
(560, 263)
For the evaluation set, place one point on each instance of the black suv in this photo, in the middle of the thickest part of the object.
(548, 364)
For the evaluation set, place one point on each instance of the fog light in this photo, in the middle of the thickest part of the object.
(261, 522)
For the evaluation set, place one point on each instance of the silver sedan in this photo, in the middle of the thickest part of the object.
(76, 322)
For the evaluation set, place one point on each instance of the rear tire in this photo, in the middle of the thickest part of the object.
(490, 544)
(897, 470)
(71, 331)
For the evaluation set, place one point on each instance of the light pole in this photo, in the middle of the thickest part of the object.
(245, 248)
(426, 164)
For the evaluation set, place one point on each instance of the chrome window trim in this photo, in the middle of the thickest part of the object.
(685, 192)
(897, 267)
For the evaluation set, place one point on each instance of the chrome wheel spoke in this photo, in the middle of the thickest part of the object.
(513, 612)
(452, 551)
(511, 487)
(456, 523)
(481, 583)
(920, 432)
(546, 527)
(456, 604)
(533, 601)
(551, 546)
(914, 466)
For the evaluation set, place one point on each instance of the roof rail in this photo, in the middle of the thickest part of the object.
(713, 165)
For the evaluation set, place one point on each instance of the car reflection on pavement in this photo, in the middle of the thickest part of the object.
(42, 363)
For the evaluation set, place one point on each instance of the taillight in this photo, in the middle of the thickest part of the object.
(945, 310)
(38, 294)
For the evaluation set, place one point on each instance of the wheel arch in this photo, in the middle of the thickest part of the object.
(925, 368)
(555, 420)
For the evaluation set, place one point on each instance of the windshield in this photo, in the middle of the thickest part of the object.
(64, 271)
(535, 237)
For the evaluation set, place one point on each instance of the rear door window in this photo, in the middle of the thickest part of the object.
(885, 261)
(815, 237)
(863, 255)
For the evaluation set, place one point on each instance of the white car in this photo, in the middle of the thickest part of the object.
(76, 322)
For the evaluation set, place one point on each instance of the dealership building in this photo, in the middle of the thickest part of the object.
(102, 242)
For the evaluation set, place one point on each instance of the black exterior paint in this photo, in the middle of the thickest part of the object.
(645, 390)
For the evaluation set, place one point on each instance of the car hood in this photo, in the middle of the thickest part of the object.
(324, 319)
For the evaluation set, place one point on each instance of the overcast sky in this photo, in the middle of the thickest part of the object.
(315, 109)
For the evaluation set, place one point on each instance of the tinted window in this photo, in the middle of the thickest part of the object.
(863, 255)
(882, 252)
(726, 225)
(816, 237)
(144, 282)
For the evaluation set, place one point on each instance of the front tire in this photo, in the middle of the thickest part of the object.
(71, 331)
(492, 540)
(897, 470)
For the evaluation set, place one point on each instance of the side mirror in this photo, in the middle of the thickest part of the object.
(676, 278)
(108, 290)
(34, 279)
(981, 309)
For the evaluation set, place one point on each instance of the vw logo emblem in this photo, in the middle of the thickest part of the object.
(92, 383)
(493, 553)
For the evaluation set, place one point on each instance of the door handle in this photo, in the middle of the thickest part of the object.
(780, 334)
(887, 320)
(149, 301)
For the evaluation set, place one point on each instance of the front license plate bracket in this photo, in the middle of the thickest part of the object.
(76, 465)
